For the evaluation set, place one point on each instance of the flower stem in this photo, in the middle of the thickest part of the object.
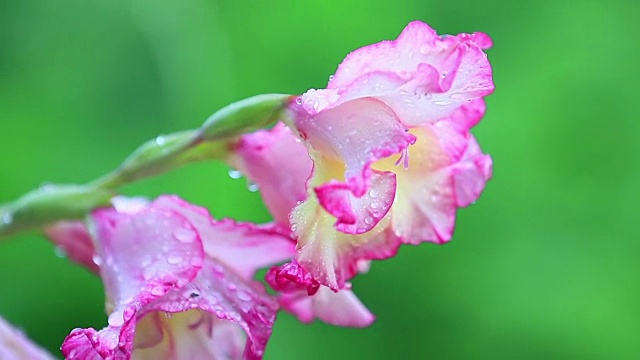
(212, 141)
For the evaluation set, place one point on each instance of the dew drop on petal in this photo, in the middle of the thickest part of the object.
(185, 235)
(157, 291)
(243, 295)
(60, 252)
(174, 260)
(299, 100)
(252, 187)
(148, 272)
(235, 174)
(96, 260)
(116, 319)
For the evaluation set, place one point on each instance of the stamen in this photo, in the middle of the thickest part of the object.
(404, 158)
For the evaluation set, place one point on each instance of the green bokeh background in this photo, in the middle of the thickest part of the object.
(545, 265)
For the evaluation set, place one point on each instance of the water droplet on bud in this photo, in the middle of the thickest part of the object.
(160, 140)
(7, 218)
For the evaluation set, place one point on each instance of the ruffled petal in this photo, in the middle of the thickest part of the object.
(303, 296)
(14, 345)
(342, 308)
(168, 299)
(447, 171)
(399, 56)
(357, 215)
(333, 257)
(218, 315)
(245, 247)
(423, 77)
(277, 162)
(343, 142)
(142, 250)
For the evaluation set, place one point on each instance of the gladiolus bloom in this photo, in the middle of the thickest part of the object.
(392, 154)
(179, 285)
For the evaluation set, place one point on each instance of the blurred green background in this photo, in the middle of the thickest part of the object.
(545, 265)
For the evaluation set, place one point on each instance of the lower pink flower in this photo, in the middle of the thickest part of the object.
(177, 287)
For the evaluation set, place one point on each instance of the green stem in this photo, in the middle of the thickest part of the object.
(214, 140)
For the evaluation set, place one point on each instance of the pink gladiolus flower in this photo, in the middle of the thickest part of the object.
(179, 284)
(14, 345)
(392, 154)
(279, 164)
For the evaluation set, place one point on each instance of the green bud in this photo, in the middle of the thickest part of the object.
(245, 116)
(51, 203)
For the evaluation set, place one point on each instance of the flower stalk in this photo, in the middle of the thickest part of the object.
(162, 154)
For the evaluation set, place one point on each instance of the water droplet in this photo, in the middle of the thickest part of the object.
(60, 252)
(243, 295)
(7, 218)
(157, 291)
(330, 78)
(442, 103)
(368, 220)
(252, 187)
(185, 235)
(148, 272)
(96, 260)
(444, 74)
(299, 100)
(196, 261)
(174, 260)
(231, 286)
(46, 186)
(116, 319)
(235, 174)
(160, 140)
(373, 193)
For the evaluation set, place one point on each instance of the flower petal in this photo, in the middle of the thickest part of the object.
(303, 296)
(447, 171)
(278, 163)
(152, 267)
(357, 215)
(14, 345)
(245, 247)
(340, 308)
(141, 250)
(343, 142)
(423, 77)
